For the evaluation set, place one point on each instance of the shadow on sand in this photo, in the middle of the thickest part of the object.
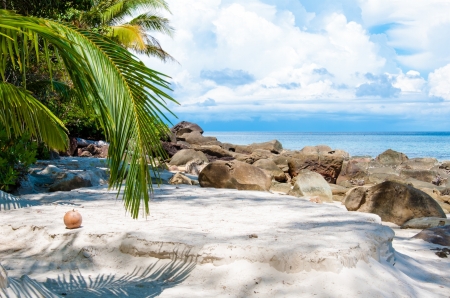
(148, 282)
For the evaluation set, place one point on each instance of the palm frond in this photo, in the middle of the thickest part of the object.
(114, 12)
(22, 113)
(154, 22)
(130, 36)
(125, 93)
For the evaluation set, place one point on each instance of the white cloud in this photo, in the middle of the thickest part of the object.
(439, 82)
(317, 64)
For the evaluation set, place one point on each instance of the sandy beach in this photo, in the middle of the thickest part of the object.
(201, 242)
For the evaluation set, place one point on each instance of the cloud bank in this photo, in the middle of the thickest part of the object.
(270, 60)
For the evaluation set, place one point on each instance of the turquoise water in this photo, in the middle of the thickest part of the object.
(413, 144)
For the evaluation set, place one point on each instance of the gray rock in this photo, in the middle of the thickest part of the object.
(309, 183)
(391, 158)
(182, 157)
(425, 223)
(70, 184)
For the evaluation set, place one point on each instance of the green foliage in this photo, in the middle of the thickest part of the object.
(16, 156)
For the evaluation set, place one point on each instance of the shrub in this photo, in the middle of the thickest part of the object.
(16, 156)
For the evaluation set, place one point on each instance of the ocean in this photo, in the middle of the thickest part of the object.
(413, 144)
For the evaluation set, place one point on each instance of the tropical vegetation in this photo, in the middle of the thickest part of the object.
(127, 98)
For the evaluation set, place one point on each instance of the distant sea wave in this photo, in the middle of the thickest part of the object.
(413, 144)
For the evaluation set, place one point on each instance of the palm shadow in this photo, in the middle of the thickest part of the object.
(142, 282)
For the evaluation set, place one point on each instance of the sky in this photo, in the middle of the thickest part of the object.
(309, 65)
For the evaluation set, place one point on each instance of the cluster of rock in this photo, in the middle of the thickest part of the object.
(391, 185)
(86, 148)
(64, 175)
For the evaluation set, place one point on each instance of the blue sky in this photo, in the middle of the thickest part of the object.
(297, 65)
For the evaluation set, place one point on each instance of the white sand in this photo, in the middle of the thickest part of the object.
(196, 243)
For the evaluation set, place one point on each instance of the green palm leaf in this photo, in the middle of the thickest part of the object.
(23, 113)
(118, 87)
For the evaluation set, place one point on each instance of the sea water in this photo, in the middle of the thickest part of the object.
(413, 144)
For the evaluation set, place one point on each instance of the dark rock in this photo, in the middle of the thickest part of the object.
(196, 137)
(172, 148)
(438, 235)
(68, 185)
(54, 155)
(72, 150)
(355, 172)
(235, 175)
(214, 152)
(393, 202)
(329, 166)
(391, 158)
(185, 127)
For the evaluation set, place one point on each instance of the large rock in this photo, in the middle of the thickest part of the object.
(70, 184)
(425, 163)
(215, 152)
(391, 158)
(421, 175)
(234, 174)
(196, 137)
(182, 157)
(185, 127)
(354, 172)
(273, 146)
(328, 165)
(271, 168)
(172, 148)
(425, 223)
(316, 149)
(438, 235)
(393, 202)
(312, 184)
(282, 162)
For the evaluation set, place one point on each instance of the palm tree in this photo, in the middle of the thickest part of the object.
(108, 18)
(126, 95)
